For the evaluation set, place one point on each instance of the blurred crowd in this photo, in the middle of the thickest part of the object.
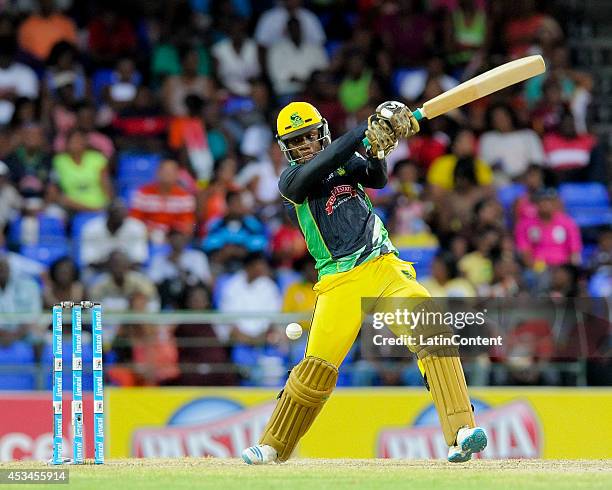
(138, 167)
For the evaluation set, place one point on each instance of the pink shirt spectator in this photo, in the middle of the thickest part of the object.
(525, 208)
(96, 140)
(552, 242)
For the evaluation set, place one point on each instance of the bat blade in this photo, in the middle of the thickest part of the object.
(491, 81)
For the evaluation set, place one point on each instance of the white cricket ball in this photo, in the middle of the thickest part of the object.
(294, 331)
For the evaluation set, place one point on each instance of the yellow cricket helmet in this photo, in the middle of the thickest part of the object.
(296, 119)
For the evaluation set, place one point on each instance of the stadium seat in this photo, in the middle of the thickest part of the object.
(135, 170)
(46, 253)
(17, 354)
(421, 258)
(285, 278)
(218, 288)
(589, 216)
(583, 195)
(508, 194)
(50, 230)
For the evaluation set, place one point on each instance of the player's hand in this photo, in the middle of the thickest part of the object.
(400, 118)
(380, 137)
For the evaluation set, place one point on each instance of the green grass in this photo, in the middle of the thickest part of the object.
(314, 474)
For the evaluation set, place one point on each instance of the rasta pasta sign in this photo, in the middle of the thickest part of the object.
(356, 423)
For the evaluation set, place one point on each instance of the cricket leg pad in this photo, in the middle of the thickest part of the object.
(309, 386)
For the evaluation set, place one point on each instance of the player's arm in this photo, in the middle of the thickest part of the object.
(368, 171)
(296, 181)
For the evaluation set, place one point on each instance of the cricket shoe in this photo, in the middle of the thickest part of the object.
(469, 441)
(259, 454)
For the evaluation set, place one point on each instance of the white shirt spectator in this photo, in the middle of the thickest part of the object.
(271, 26)
(286, 61)
(21, 295)
(260, 295)
(413, 84)
(192, 263)
(97, 242)
(21, 80)
(266, 189)
(512, 151)
(236, 68)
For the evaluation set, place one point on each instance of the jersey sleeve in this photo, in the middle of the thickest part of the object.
(296, 181)
(369, 172)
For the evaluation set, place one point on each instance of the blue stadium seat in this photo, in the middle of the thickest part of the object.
(422, 258)
(587, 216)
(19, 354)
(508, 194)
(50, 229)
(397, 79)
(218, 288)
(101, 79)
(46, 253)
(135, 170)
(285, 278)
(589, 194)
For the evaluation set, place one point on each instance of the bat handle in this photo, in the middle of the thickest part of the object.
(418, 113)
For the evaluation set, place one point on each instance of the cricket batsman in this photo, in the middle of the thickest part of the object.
(324, 187)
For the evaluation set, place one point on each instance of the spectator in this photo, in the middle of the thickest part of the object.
(30, 163)
(602, 255)
(141, 124)
(440, 174)
(10, 200)
(116, 287)
(16, 80)
(86, 122)
(257, 292)
(164, 204)
(236, 234)
(292, 60)
(477, 266)
(203, 360)
(287, 244)
(63, 66)
(236, 59)
(110, 35)
(551, 237)
(273, 23)
(445, 281)
(82, 175)
(573, 157)
(123, 87)
(114, 230)
(534, 179)
(63, 283)
(322, 92)
(508, 149)
(214, 197)
(466, 33)
(188, 134)
(546, 116)
(179, 269)
(300, 296)
(414, 82)
(261, 177)
(354, 90)
(409, 47)
(18, 294)
(43, 30)
(177, 87)
(506, 278)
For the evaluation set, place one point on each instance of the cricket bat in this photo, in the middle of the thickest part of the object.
(491, 81)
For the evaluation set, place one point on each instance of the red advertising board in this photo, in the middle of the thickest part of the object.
(26, 426)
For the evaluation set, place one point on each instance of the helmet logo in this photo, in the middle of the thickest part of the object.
(296, 120)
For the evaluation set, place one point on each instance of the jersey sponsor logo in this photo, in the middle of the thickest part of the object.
(408, 274)
(514, 431)
(340, 190)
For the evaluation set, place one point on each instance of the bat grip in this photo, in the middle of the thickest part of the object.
(418, 114)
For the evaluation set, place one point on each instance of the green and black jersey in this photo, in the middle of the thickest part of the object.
(326, 195)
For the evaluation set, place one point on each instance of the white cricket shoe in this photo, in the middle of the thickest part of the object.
(469, 441)
(259, 454)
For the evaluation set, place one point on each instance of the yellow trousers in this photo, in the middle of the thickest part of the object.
(337, 315)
